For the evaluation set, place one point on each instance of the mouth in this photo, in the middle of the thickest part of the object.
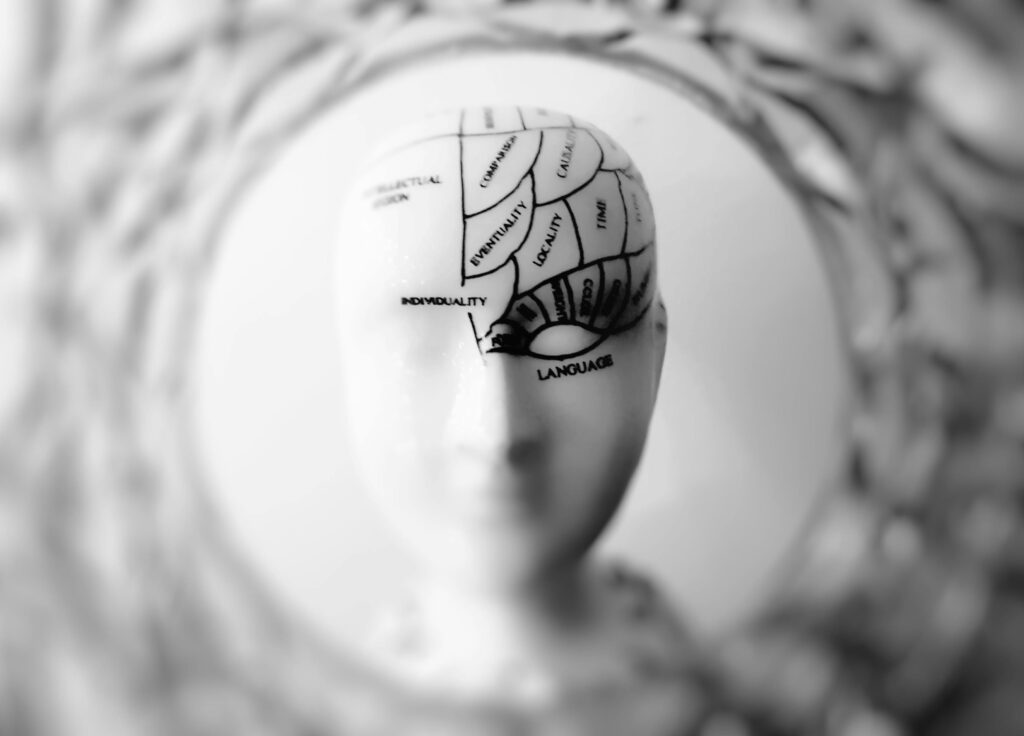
(497, 492)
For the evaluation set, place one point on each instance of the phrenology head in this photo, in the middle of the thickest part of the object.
(502, 336)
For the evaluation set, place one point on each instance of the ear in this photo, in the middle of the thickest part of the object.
(660, 340)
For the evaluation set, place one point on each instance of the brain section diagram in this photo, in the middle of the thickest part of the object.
(555, 207)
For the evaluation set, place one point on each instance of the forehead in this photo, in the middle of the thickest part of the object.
(526, 219)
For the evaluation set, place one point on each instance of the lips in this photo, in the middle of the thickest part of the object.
(496, 491)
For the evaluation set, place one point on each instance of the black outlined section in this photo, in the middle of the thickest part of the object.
(569, 158)
(561, 342)
(551, 247)
(535, 117)
(462, 198)
(476, 335)
(639, 214)
(641, 288)
(607, 164)
(615, 272)
(493, 236)
(601, 298)
(497, 119)
(570, 299)
(615, 157)
(452, 123)
(561, 204)
(516, 277)
(546, 229)
(440, 136)
(585, 285)
(542, 311)
(493, 166)
(498, 285)
(576, 231)
(600, 215)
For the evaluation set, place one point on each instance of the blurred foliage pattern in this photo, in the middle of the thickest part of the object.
(128, 128)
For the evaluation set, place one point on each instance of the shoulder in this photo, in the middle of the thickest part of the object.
(634, 594)
(645, 621)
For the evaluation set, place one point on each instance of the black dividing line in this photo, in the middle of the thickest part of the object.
(589, 181)
(533, 196)
(605, 259)
(627, 293)
(625, 214)
(506, 314)
(522, 120)
(569, 296)
(576, 229)
(540, 147)
(531, 336)
(529, 172)
(599, 302)
(476, 336)
(578, 189)
(538, 128)
(565, 356)
(462, 196)
(618, 329)
(599, 297)
(529, 228)
(457, 134)
(600, 164)
(540, 306)
(604, 155)
(515, 277)
(501, 265)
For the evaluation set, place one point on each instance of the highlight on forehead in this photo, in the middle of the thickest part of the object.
(534, 222)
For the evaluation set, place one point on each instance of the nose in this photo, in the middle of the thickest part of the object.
(492, 413)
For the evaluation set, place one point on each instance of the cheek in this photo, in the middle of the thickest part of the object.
(600, 439)
(596, 465)
(390, 391)
(603, 412)
(390, 425)
(396, 463)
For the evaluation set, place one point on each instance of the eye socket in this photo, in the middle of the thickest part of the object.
(422, 353)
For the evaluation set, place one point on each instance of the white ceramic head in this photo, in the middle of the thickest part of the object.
(502, 337)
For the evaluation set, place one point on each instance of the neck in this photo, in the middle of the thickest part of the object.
(557, 602)
(573, 631)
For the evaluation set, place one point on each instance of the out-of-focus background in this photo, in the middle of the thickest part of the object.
(750, 424)
(182, 544)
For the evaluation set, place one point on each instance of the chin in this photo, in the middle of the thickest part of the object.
(504, 560)
(503, 578)
(495, 490)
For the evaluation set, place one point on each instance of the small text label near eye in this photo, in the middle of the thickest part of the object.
(390, 192)
(444, 301)
(575, 368)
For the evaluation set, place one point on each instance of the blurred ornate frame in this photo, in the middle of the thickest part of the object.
(136, 125)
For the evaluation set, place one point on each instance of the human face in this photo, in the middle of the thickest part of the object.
(496, 300)
(493, 467)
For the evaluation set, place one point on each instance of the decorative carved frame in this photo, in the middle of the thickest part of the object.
(136, 125)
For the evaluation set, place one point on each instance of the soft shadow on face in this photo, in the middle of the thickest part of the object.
(494, 468)
(495, 286)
